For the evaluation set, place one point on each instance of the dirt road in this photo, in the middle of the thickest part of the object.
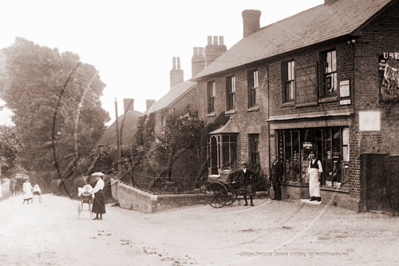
(272, 232)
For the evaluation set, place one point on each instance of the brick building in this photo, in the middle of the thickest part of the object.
(323, 80)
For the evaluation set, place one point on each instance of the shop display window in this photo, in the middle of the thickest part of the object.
(330, 145)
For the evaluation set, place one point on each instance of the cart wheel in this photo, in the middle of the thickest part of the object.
(216, 195)
(231, 198)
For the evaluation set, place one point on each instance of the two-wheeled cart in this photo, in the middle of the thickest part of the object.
(223, 190)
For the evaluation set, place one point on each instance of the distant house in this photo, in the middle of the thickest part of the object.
(127, 126)
(323, 80)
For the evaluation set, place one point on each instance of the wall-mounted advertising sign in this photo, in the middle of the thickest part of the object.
(344, 88)
(369, 121)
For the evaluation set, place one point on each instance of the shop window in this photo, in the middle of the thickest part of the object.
(254, 148)
(331, 146)
(288, 73)
(330, 74)
(230, 92)
(253, 84)
(211, 96)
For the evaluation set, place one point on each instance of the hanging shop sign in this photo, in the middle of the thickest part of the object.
(389, 75)
(390, 55)
(307, 145)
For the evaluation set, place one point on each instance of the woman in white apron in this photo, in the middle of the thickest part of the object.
(315, 169)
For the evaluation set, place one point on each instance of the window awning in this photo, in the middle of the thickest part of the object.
(229, 128)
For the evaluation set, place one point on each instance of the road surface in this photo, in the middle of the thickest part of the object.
(271, 233)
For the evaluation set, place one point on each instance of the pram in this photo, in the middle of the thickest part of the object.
(38, 193)
(86, 196)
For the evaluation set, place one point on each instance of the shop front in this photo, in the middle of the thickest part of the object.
(328, 138)
(331, 146)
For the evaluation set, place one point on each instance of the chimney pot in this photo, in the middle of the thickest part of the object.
(221, 40)
(209, 40)
(251, 21)
(128, 105)
(174, 62)
(201, 51)
(215, 40)
(195, 51)
(178, 63)
(149, 103)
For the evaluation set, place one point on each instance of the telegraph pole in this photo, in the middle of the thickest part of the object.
(117, 137)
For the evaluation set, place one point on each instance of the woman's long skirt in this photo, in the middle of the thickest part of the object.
(98, 204)
(314, 184)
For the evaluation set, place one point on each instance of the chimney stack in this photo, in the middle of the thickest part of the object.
(149, 103)
(213, 51)
(329, 2)
(176, 74)
(221, 40)
(128, 105)
(197, 61)
(251, 21)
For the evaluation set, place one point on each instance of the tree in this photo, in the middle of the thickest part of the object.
(32, 80)
(180, 134)
(10, 148)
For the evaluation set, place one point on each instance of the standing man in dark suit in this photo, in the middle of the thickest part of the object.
(247, 180)
(277, 173)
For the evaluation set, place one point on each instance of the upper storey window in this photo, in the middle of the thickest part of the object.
(289, 81)
(231, 92)
(211, 96)
(330, 74)
(253, 84)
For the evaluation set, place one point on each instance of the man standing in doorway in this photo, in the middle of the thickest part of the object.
(315, 169)
(277, 172)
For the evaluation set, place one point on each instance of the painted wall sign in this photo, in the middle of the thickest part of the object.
(391, 55)
(369, 121)
(344, 88)
(345, 102)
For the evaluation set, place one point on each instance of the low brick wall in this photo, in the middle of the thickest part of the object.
(135, 199)
(340, 198)
(5, 190)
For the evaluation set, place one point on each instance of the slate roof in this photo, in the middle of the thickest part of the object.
(128, 131)
(175, 93)
(315, 25)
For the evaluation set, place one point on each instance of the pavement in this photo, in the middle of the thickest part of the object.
(271, 232)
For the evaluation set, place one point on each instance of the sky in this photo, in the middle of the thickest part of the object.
(132, 43)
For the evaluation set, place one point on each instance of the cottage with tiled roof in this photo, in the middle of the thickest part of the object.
(324, 80)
